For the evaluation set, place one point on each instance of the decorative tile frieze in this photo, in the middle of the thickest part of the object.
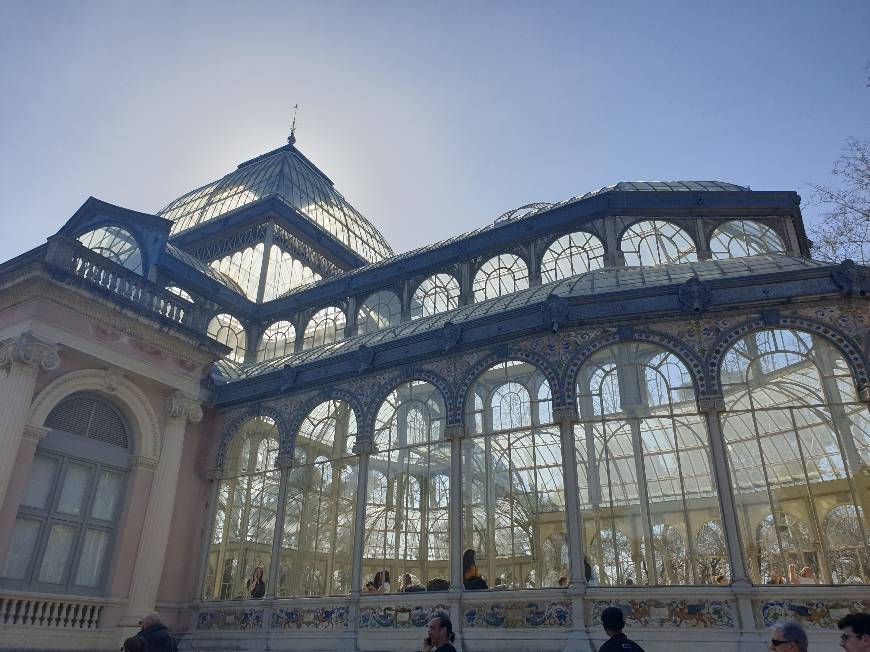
(400, 617)
(230, 620)
(669, 613)
(812, 614)
(294, 618)
(514, 615)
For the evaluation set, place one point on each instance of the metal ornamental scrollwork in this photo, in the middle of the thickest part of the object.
(365, 358)
(694, 295)
(554, 311)
(450, 335)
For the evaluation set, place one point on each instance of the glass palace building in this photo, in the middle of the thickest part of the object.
(647, 396)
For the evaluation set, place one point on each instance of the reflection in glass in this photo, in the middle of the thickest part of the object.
(798, 444)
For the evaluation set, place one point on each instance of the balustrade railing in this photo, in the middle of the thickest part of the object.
(117, 280)
(47, 612)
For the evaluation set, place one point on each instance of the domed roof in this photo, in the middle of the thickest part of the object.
(287, 174)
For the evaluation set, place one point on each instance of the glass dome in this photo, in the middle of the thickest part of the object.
(287, 174)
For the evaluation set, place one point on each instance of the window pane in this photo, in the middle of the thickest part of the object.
(75, 486)
(108, 496)
(21, 549)
(57, 552)
(39, 483)
(92, 557)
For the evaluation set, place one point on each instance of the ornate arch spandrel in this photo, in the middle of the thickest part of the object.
(407, 375)
(147, 435)
(234, 420)
(304, 408)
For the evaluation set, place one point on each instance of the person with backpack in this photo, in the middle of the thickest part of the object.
(155, 635)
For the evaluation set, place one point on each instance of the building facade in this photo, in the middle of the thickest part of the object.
(647, 396)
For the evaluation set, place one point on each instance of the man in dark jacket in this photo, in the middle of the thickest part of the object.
(614, 623)
(155, 635)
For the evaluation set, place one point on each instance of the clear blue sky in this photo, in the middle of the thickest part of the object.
(432, 118)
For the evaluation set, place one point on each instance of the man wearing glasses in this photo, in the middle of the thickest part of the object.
(788, 637)
(855, 632)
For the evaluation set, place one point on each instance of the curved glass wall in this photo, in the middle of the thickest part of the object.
(278, 339)
(408, 490)
(571, 254)
(500, 275)
(648, 502)
(317, 540)
(228, 330)
(116, 244)
(738, 238)
(381, 310)
(798, 443)
(513, 511)
(244, 267)
(656, 242)
(244, 522)
(438, 293)
(284, 273)
(325, 327)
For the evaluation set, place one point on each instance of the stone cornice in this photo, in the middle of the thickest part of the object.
(143, 462)
(35, 433)
(27, 350)
(179, 405)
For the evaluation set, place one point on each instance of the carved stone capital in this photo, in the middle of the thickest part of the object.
(564, 413)
(112, 380)
(178, 404)
(143, 462)
(27, 350)
(35, 433)
(694, 295)
(711, 404)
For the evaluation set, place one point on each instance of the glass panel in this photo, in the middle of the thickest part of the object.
(572, 254)
(55, 559)
(21, 549)
(39, 482)
(115, 244)
(278, 340)
(92, 556)
(656, 242)
(738, 238)
(381, 310)
(513, 523)
(228, 330)
(503, 274)
(75, 486)
(325, 327)
(643, 465)
(108, 496)
(438, 293)
(795, 437)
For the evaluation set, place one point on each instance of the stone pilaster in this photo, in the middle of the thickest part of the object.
(21, 360)
(158, 517)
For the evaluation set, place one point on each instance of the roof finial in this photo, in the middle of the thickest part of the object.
(292, 137)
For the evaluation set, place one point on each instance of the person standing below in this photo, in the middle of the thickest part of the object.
(788, 637)
(855, 632)
(614, 622)
(440, 635)
(155, 635)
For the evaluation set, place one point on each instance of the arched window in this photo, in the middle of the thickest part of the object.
(244, 522)
(68, 516)
(797, 437)
(285, 273)
(438, 293)
(278, 340)
(571, 254)
(847, 543)
(407, 500)
(656, 242)
(116, 244)
(738, 238)
(381, 310)
(643, 464)
(513, 491)
(317, 542)
(500, 275)
(325, 327)
(228, 330)
(244, 267)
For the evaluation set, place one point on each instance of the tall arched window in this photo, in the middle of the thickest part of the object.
(317, 542)
(438, 293)
(325, 327)
(571, 254)
(712, 552)
(244, 267)
(643, 467)
(116, 244)
(798, 441)
(228, 330)
(513, 491)
(407, 501)
(847, 544)
(285, 273)
(738, 238)
(500, 275)
(244, 522)
(656, 242)
(279, 339)
(381, 310)
(66, 523)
